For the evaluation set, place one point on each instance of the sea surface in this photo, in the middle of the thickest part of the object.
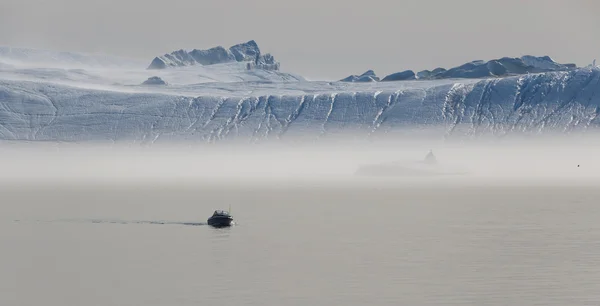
(434, 242)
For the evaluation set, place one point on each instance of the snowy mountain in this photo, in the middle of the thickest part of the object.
(248, 52)
(505, 66)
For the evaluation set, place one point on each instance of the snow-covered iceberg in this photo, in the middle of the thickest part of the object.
(401, 76)
(62, 96)
(502, 67)
(368, 76)
(505, 66)
(248, 52)
(564, 101)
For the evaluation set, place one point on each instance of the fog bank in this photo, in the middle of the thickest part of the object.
(542, 159)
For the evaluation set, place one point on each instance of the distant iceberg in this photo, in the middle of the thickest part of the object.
(427, 167)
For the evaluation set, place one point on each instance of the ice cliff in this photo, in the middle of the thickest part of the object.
(563, 101)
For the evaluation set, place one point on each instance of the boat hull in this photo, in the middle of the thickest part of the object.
(220, 221)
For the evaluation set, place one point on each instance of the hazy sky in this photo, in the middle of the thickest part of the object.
(315, 38)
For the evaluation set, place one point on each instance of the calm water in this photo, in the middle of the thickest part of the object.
(311, 244)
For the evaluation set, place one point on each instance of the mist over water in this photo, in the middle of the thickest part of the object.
(526, 159)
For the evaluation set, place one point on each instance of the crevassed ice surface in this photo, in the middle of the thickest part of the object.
(227, 102)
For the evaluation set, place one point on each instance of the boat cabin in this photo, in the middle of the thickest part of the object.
(221, 213)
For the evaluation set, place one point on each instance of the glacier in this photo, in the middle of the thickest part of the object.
(106, 101)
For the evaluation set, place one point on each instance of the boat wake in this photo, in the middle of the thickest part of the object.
(116, 221)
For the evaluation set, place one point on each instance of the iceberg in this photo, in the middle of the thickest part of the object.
(242, 96)
(565, 101)
(427, 167)
(502, 67)
(505, 66)
(401, 76)
(368, 76)
(248, 52)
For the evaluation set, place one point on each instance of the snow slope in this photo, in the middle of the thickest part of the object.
(564, 101)
(34, 58)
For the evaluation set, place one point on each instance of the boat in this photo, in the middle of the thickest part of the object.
(429, 166)
(220, 218)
